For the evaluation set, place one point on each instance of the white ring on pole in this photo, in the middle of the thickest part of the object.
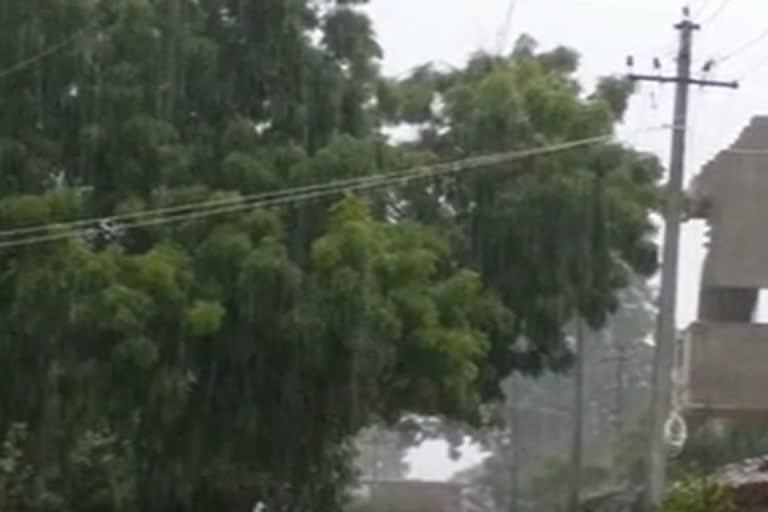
(675, 432)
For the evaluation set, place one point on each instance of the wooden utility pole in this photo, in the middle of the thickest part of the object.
(666, 329)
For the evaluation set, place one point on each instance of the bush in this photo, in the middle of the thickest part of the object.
(699, 495)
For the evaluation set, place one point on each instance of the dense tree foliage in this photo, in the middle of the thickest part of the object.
(217, 360)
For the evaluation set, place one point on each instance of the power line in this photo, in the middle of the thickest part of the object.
(502, 38)
(154, 217)
(753, 68)
(699, 8)
(332, 187)
(715, 13)
(746, 46)
(54, 48)
(760, 65)
(290, 195)
(50, 50)
(185, 208)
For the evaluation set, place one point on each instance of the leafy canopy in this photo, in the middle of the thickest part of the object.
(219, 360)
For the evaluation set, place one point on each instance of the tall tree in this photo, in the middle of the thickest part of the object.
(212, 361)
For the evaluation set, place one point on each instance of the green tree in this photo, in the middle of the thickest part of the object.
(580, 199)
(702, 494)
(217, 360)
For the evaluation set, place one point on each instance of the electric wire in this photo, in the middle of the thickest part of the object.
(699, 8)
(331, 187)
(502, 37)
(758, 66)
(44, 53)
(714, 14)
(744, 47)
(291, 195)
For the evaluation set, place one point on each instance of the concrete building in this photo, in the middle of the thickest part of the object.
(722, 361)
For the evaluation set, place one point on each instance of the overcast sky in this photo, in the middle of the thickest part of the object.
(735, 32)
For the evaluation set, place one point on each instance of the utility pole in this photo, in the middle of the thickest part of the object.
(513, 454)
(577, 419)
(666, 329)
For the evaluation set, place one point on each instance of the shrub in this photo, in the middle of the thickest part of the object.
(699, 495)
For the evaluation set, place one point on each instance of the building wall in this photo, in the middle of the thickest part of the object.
(724, 369)
(727, 367)
(734, 186)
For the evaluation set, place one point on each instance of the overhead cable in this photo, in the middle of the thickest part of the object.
(68, 229)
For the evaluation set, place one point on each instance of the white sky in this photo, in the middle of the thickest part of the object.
(413, 32)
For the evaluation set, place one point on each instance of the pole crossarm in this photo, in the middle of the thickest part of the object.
(684, 81)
